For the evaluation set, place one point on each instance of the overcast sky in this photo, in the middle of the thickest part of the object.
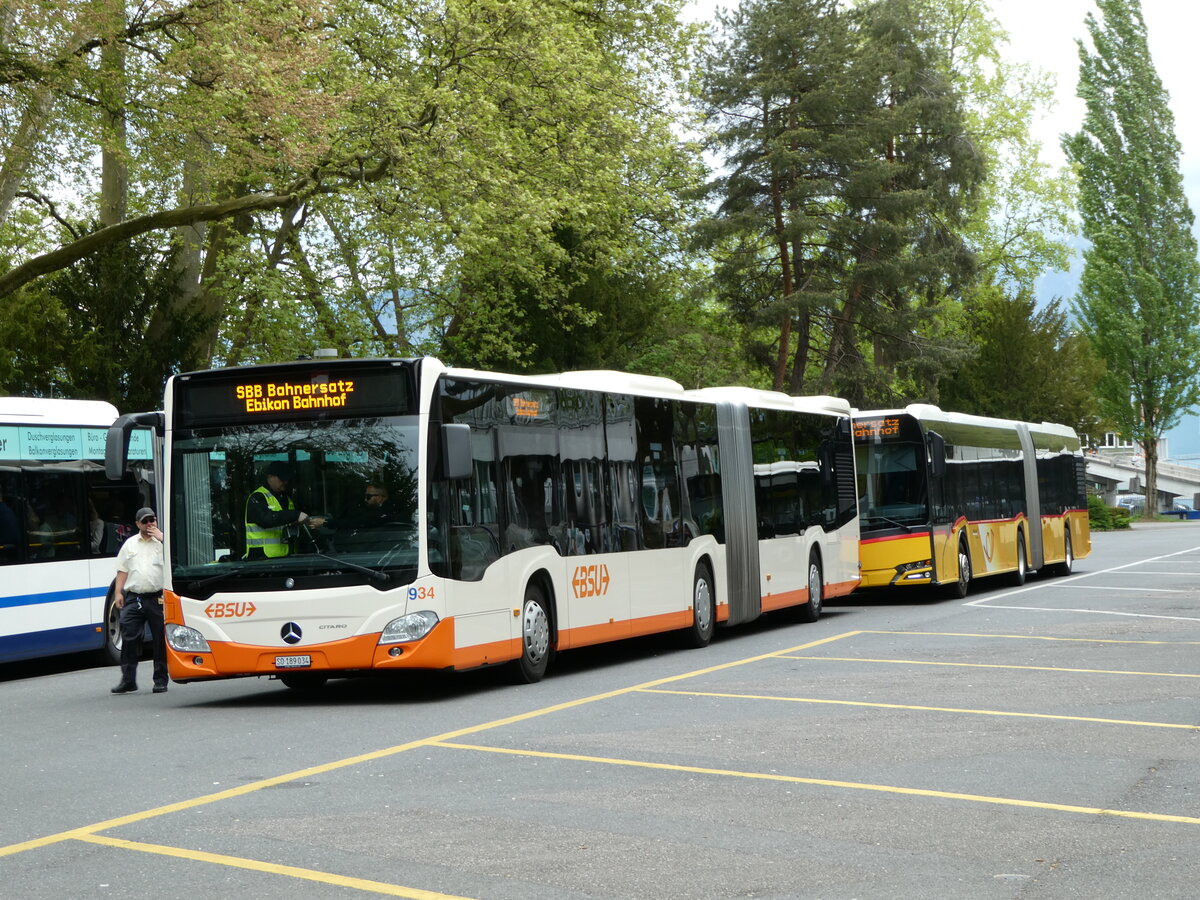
(1043, 32)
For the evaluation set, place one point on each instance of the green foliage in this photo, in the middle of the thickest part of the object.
(378, 174)
(1028, 364)
(1099, 516)
(1106, 518)
(850, 175)
(1139, 295)
(81, 332)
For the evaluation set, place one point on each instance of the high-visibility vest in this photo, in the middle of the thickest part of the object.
(270, 540)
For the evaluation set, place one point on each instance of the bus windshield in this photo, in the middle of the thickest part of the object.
(892, 484)
(321, 502)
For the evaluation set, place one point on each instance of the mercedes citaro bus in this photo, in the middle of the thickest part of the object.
(526, 515)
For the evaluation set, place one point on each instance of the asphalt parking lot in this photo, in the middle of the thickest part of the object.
(1034, 742)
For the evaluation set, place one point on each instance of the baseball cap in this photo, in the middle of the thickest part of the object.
(280, 469)
(142, 513)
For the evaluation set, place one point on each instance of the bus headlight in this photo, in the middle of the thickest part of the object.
(186, 640)
(412, 627)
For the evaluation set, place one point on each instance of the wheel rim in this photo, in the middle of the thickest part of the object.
(114, 626)
(536, 628)
(1070, 553)
(702, 603)
(814, 586)
(964, 566)
(1021, 564)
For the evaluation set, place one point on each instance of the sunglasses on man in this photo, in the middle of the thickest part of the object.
(149, 519)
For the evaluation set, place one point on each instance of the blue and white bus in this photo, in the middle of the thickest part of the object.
(61, 525)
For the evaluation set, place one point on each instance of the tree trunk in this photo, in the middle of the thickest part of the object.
(842, 337)
(114, 149)
(785, 265)
(1150, 455)
(20, 150)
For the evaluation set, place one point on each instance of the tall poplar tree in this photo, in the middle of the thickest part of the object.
(1139, 295)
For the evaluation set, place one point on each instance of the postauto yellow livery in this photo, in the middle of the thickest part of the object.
(945, 498)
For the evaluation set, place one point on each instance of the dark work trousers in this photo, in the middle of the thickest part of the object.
(139, 611)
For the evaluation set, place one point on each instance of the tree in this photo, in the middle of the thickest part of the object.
(1139, 294)
(81, 331)
(1029, 364)
(358, 171)
(849, 174)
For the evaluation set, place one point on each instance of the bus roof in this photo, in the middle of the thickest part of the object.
(1046, 435)
(43, 411)
(773, 400)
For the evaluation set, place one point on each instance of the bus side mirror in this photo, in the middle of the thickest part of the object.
(936, 447)
(116, 442)
(456, 452)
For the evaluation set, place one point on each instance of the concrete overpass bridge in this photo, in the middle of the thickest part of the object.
(1112, 475)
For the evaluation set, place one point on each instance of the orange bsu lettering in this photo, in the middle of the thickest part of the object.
(237, 610)
(590, 581)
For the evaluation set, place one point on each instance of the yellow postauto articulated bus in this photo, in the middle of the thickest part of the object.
(946, 497)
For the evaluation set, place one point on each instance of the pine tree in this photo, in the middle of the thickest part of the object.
(1139, 295)
(848, 174)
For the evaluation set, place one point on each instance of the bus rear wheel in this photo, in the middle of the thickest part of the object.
(1018, 577)
(535, 637)
(811, 611)
(704, 609)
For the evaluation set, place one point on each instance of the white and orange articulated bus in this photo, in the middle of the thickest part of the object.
(442, 518)
(946, 498)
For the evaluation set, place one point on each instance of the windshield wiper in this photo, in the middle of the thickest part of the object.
(376, 574)
(892, 522)
(221, 576)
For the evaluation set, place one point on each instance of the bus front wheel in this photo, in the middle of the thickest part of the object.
(959, 587)
(811, 611)
(535, 637)
(1068, 563)
(304, 681)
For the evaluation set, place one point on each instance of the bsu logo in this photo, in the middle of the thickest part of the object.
(590, 581)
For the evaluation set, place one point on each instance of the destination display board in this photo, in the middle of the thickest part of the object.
(295, 392)
(894, 427)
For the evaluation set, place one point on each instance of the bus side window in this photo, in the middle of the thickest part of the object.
(110, 507)
(55, 516)
(10, 518)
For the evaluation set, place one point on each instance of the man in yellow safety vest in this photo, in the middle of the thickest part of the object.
(269, 509)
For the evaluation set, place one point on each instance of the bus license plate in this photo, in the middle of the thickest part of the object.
(292, 662)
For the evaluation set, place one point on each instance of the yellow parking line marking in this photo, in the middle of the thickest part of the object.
(924, 662)
(825, 782)
(254, 865)
(1032, 637)
(251, 787)
(945, 709)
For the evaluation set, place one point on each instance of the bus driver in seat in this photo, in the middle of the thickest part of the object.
(269, 509)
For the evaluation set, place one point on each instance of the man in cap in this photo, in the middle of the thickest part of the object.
(269, 509)
(138, 595)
